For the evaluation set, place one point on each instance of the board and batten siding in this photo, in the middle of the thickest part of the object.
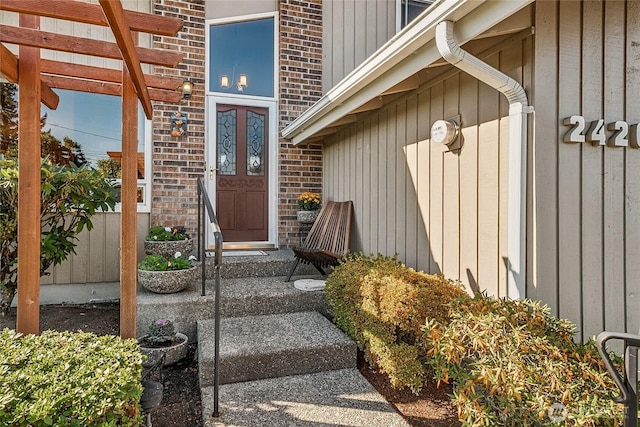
(97, 256)
(352, 31)
(585, 241)
(441, 212)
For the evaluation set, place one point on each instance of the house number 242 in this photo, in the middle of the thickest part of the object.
(624, 135)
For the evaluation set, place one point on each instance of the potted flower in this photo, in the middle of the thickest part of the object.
(162, 339)
(166, 241)
(164, 276)
(308, 207)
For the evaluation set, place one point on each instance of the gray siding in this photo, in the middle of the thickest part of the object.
(586, 239)
(98, 252)
(447, 213)
(352, 31)
(440, 212)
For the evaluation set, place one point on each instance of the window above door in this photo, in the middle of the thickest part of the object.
(242, 57)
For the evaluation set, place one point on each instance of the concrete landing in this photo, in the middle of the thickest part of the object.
(259, 347)
(334, 398)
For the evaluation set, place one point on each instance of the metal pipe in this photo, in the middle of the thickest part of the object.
(517, 179)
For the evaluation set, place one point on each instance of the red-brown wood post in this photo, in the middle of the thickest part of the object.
(28, 316)
(129, 199)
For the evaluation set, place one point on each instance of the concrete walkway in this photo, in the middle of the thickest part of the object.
(332, 398)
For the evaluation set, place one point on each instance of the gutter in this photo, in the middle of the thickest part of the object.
(518, 109)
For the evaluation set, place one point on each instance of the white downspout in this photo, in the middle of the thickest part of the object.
(518, 109)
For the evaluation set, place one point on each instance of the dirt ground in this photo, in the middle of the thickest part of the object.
(181, 401)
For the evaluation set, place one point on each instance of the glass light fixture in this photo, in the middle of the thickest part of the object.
(224, 81)
(186, 88)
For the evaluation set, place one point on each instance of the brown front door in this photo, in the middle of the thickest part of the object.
(242, 173)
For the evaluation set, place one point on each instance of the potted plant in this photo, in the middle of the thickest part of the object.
(162, 339)
(308, 206)
(164, 276)
(166, 241)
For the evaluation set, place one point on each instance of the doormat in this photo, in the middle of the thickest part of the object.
(241, 253)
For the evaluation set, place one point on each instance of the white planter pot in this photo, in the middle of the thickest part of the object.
(167, 282)
(173, 353)
(168, 248)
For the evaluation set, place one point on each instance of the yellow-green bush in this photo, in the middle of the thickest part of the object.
(510, 361)
(69, 379)
(383, 305)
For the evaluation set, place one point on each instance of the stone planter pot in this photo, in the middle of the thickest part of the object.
(167, 282)
(168, 248)
(173, 353)
(307, 217)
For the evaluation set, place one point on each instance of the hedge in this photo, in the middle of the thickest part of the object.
(383, 305)
(69, 379)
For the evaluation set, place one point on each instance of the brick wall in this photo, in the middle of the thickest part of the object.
(300, 86)
(178, 161)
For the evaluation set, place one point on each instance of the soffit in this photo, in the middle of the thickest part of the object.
(399, 65)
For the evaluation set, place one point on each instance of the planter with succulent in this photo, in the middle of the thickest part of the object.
(162, 339)
(164, 276)
(166, 241)
(308, 207)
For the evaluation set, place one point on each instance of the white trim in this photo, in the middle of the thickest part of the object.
(210, 152)
(243, 18)
(405, 54)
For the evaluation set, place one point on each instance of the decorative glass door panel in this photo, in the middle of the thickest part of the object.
(242, 178)
(227, 142)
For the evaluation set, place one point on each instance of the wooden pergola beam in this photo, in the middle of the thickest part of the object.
(84, 46)
(92, 14)
(118, 22)
(9, 68)
(89, 72)
(106, 88)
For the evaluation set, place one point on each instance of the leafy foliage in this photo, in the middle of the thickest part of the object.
(70, 195)
(161, 330)
(69, 379)
(383, 305)
(309, 201)
(160, 263)
(510, 361)
(159, 233)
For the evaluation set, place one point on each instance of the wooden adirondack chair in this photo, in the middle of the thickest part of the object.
(328, 239)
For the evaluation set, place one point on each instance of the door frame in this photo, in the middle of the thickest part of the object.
(211, 105)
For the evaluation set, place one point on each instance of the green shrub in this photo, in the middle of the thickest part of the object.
(160, 263)
(510, 361)
(383, 305)
(159, 233)
(69, 379)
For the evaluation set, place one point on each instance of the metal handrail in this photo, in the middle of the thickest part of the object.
(205, 203)
(627, 385)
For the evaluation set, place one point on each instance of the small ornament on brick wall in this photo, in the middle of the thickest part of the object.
(178, 124)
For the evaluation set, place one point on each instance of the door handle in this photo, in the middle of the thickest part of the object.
(211, 171)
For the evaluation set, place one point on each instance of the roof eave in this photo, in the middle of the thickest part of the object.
(405, 54)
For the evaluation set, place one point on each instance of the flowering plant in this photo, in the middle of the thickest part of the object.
(161, 330)
(309, 201)
(160, 263)
(163, 234)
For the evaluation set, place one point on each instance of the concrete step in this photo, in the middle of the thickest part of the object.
(271, 346)
(335, 398)
(239, 297)
(272, 263)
